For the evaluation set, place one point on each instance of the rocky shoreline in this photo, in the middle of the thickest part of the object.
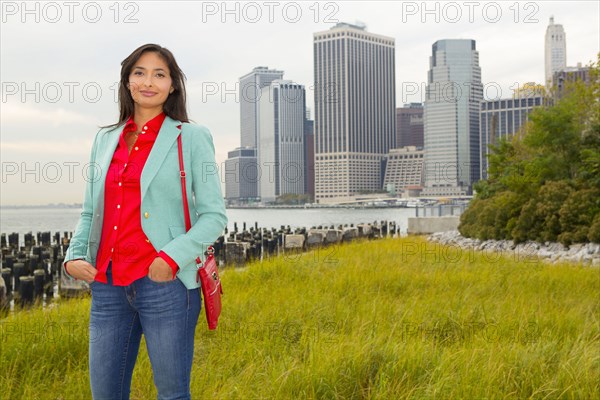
(585, 253)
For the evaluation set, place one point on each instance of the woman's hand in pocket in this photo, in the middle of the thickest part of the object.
(160, 270)
(81, 269)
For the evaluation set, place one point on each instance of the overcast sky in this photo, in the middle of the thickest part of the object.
(60, 64)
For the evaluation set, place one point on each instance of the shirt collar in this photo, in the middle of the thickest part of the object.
(130, 126)
(152, 126)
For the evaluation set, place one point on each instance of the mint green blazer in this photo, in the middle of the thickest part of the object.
(161, 208)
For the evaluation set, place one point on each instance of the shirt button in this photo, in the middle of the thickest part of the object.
(146, 215)
(125, 165)
(112, 250)
(145, 127)
(118, 206)
(119, 183)
(136, 147)
(115, 227)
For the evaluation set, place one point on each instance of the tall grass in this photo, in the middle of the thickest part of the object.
(388, 319)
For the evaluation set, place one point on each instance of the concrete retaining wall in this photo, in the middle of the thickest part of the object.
(428, 225)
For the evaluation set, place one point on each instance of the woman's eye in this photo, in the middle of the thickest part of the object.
(160, 75)
(137, 73)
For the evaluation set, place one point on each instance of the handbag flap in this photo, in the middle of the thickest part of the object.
(209, 275)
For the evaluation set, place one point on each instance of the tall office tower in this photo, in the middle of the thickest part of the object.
(251, 85)
(555, 50)
(451, 116)
(309, 157)
(281, 140)
(409, 125)
(355, 123)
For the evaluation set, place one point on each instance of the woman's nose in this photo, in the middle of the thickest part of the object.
(148, 80)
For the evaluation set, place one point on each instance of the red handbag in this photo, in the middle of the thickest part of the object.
(208, 273)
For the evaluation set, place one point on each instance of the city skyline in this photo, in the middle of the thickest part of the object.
(59, 132)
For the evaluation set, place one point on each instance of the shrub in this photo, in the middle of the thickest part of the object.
(594, 232)
(544, 182)
(577, 215)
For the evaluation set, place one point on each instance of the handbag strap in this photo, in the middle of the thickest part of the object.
(186, 210)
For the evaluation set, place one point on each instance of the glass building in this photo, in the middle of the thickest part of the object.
(281, 140)
(250, 87)
(451, 118)
(238, 187)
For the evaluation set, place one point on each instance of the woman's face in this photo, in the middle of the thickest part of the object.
(150, 81)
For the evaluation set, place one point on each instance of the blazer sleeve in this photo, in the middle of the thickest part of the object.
(78, 245)
(209, 203)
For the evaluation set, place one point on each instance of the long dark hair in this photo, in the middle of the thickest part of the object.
(174, 107)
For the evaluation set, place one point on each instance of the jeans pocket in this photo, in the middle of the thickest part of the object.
(161, 282)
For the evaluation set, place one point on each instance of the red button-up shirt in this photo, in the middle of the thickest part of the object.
(123, 241)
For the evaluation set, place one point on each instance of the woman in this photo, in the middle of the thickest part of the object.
(130, 243)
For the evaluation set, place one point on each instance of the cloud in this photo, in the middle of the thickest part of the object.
(91, 52)
(25, 114)
(42, 148)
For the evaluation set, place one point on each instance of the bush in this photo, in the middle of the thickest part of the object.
(577, 214)
(544, 182)
(594, 232)
(491, 218)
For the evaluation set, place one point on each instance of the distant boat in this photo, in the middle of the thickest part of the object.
(380, 204)
(401, 203)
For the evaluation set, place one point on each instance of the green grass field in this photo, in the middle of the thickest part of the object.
(387, 319)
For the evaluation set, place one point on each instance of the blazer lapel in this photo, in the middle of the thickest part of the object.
(104, 156)
(166, 136)
(104, 153)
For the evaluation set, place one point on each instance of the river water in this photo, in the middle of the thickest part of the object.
(44, 219)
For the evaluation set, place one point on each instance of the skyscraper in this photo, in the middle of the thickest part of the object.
(451, 118)
(241, 182)
(354, 110)
(309, 156)
(250, 92)
(281, 140)
(555, 50)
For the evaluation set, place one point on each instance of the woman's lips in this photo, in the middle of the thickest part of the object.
(147, 94)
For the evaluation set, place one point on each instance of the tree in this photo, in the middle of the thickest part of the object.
(544, 182)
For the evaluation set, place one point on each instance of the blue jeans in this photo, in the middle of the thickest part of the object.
(165, 312)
